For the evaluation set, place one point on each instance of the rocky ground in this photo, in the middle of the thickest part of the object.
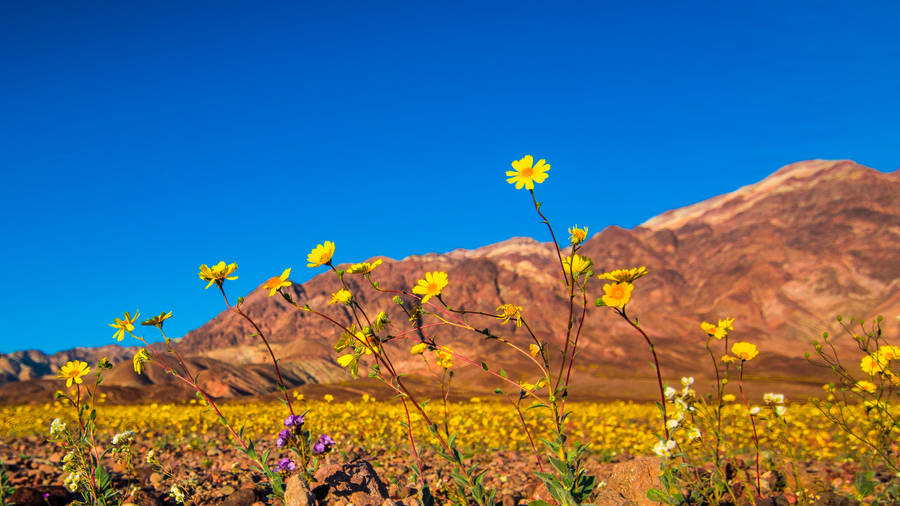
(221, 476)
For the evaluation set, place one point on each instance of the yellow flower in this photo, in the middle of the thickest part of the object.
(577, 264)
(273, 284)
(728, 359)
(73, 371)
(381, 321)
(728, 398)
(577, 235)
(508, 311)
(138, 361)
(526, 175)
(126, 324)
(534, 349)
(628, 275)
(345, 360)
(872, 364)
(432, 285)
(156, 321)
(341, 296)
(887, 352)
(320, 255)
(718, 331)
(328, 397)
(217, 273)
(617, 294)
(418, 348)
(444, 357)
(364, 268)
(744, 351)
(865, 386)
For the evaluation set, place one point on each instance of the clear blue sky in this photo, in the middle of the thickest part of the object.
(141, 139)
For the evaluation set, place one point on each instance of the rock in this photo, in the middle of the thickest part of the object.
(242, 497)
(156, 480)
(227, 490)
(143, 497)
(40, 496)
(297, 493)
(629, 481)
(832, 499)
(354, 482)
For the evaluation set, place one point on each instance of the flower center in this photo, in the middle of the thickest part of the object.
(527, 172)
(618, 292)
(433, 288)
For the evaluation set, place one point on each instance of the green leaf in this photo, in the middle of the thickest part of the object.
(864, 484)
(538, 503)
(484, 366)
(503, 373)
(657, 496)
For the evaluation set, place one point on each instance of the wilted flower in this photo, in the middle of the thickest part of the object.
(364, 267)
(577, 235)
(138, 360)
(157, 321)
(534, 349)
(576, 265)
(126, 324)
(508, 311)
(123, 437)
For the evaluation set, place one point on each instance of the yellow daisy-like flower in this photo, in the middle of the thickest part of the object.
(577, 235)
(73, 371)
(508, 311)
(341, 296)
(626, 275)
(418, 348)
(728, 398)
(534, 349)
(728, 359)
(328, 397)
(431, 286)
(872, 364)
(345, 360)
(744, 351)
(888, 352)
(444, 357)
(217, 273)
(718, 331)
(138, 361)
(617, 294)
(156, 321)
(527, 172)
(273, 284)
(126, 324)
(320, 255)
(865, 386)
(364, 267)
(577, 264)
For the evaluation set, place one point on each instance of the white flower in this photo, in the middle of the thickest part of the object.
(693, 434)
(686, 382)
(780, 410)
(177, 494)
(123, 437)
(670, 392)
(660, 449)
(754, 410)
(72, 481)
(151, 457)
(771, 398)
(672, 423)
(57, 428)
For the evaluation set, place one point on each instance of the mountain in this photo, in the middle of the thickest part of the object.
(782, 256)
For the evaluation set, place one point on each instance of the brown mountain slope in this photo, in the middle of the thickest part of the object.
(782, 256)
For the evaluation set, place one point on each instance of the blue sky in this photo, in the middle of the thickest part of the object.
(142, 139)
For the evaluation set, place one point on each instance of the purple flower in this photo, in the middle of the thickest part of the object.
(285, 465)
(283, 437)
(323, 445)
(293, 421)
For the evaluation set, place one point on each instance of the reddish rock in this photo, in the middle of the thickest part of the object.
(354, 482)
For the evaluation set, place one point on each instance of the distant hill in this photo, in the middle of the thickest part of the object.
(782, 256)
